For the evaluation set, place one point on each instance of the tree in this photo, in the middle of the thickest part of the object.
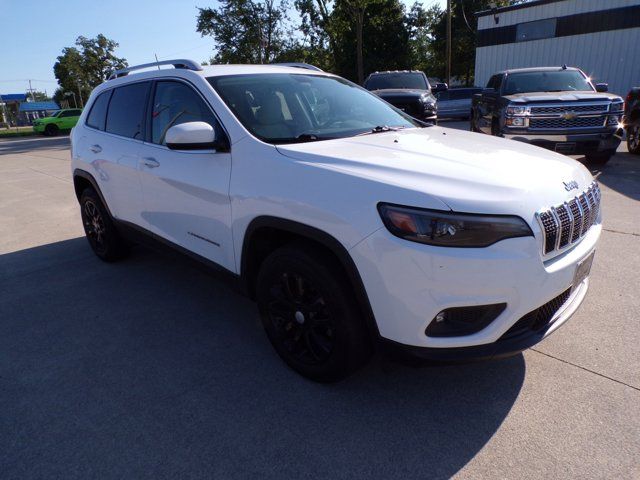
(245, 31)
(37, 96)
(85, 66)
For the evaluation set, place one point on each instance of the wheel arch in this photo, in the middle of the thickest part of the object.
(83, 179)
(264, 234)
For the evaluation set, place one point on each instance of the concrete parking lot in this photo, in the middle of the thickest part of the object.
(151, 368)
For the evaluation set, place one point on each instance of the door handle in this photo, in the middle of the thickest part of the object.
(150, 162)
(95, 148)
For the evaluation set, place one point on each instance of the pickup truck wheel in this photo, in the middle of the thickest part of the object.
(600, 158)
(101, 233)
(495, 128)
(51, 130)
(308, 312)
(633, 138)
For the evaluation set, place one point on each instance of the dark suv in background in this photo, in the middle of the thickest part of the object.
(408, 90)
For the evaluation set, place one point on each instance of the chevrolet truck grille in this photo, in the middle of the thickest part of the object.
(565, 224)
(557, 123)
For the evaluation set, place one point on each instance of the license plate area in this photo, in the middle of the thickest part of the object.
(583, 269)
(565, 147)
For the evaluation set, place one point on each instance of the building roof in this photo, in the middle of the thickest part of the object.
(38, 106)
(519, 6)
(13, 97)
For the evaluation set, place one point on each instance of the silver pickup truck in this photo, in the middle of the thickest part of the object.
(557, 108)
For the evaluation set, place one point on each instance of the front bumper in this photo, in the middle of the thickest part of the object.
(409, 283)
(570, 143)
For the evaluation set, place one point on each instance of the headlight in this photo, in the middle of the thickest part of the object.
(616, 107)
(449, 229)
(517, 110)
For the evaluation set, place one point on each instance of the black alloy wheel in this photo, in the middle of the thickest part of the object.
(99, 229)
(309, 313)
(633, 138)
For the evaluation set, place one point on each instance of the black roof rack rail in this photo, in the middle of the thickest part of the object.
(178, 63)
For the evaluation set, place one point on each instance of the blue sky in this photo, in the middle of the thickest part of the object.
(34, 33)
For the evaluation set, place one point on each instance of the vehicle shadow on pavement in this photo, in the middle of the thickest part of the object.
(621, 174)
(150, 368)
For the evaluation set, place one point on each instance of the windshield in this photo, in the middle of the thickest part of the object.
(558, 81)
(397, 80)
(55, 114)
(289, 108)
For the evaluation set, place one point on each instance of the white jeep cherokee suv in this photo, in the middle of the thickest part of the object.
(352, 225)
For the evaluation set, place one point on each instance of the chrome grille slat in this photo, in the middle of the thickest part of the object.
(564, 225)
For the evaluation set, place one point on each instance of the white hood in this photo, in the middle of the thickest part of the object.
(467, 171)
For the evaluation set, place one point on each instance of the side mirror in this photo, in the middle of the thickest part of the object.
(602, 87)
(439, 87)
(191, 136)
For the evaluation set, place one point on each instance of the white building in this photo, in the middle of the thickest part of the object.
(601, 37)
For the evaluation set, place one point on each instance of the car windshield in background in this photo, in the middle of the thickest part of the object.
(291, 108)
(552, 81)
(397, 80)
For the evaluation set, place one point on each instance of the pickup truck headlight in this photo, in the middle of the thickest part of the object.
(450, 229)
(517, 110)
(616, 107)
(515, 122)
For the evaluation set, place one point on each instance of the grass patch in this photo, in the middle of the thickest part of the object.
(17, 132)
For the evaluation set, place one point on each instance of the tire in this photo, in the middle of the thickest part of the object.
(633, 137)
(472, 122)
(495, 128)
(309, 314)
(51, 130)
(101, 233)
(600, 158)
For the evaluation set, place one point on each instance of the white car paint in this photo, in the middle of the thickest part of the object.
(335, 186)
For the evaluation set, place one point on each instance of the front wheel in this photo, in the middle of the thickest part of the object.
(51, 130)
(309, 313)
(633, 138)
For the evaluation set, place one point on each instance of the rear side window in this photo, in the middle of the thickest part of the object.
(98, 114)
(126, 110)
(175, 103)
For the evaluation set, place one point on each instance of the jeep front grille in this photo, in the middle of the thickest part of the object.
(565, 224)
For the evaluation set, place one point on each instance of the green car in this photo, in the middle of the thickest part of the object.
(60, 120)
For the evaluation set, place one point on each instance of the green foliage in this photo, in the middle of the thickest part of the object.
(85, 66)
(37, 96)
(245, 31)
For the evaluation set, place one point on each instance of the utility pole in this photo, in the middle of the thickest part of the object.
(449, 42)
(33, 98)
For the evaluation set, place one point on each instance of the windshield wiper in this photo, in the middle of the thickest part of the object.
(381, 129)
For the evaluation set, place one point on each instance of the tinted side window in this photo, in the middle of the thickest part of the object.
(98, 113)
(175, 103)
(126, 110)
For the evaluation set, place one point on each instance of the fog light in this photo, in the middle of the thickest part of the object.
(459, 321)
(515, 122)
(613, 120)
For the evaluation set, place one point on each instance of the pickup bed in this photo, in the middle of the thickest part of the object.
(557, 108)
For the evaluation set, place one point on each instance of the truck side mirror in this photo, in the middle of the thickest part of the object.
(602, 87)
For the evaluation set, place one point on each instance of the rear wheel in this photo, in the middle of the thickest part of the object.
(101, 233)
(309, 313)
(51, 130)
(600, 158)
(633, 137)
